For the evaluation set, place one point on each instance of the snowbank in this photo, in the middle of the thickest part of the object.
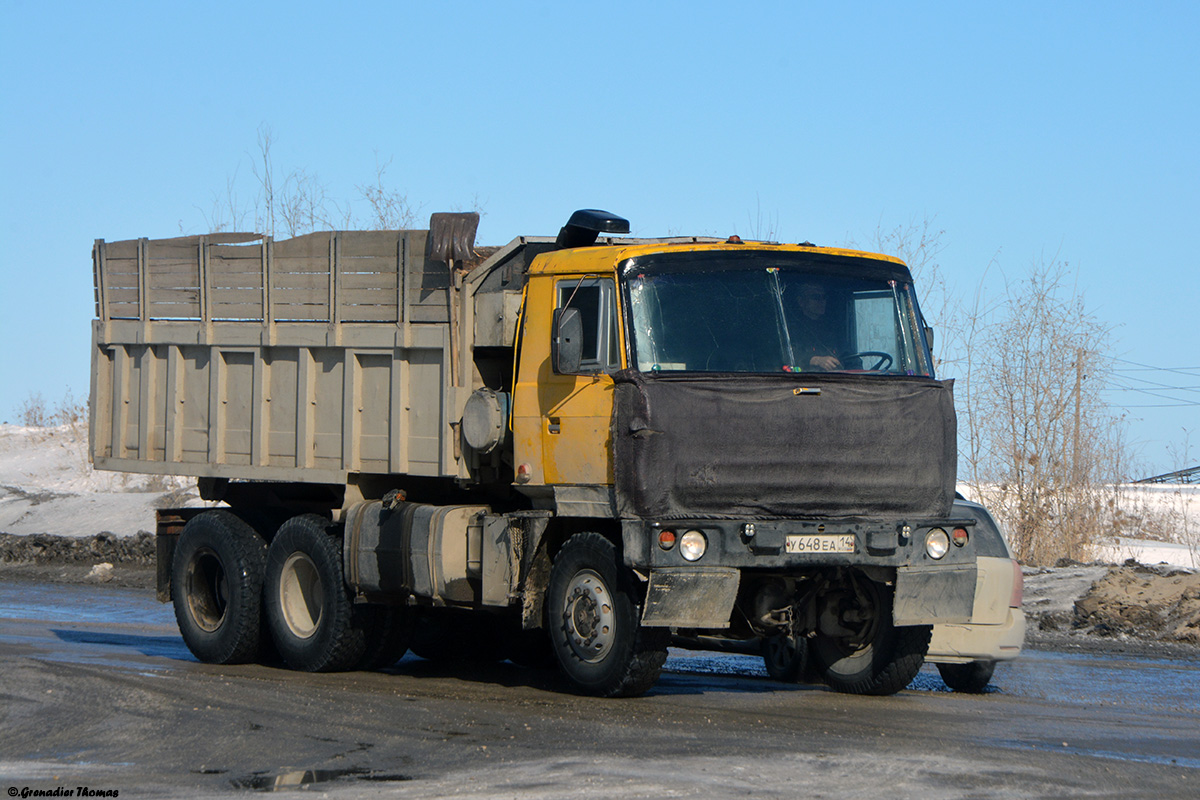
(1144, 551)
(47, 485)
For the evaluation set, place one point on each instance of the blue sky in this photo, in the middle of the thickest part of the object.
(1026, 131)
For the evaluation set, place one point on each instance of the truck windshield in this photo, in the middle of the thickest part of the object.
(772, 312)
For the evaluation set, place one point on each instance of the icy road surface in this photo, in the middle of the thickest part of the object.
(98, 690)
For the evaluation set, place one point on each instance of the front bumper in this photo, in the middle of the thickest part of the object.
(764, 544)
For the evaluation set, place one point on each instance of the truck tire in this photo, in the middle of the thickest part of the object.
(216, 588)
(309, 612)
(972, 678)
(387, 634)
(881, 658)
(785, 657)
(593, 622)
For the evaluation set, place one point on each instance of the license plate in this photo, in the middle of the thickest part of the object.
(821, 543)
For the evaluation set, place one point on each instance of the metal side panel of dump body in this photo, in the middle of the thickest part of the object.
(237, 356)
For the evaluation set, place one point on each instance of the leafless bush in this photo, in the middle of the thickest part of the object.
(71, 411)
(35, 412)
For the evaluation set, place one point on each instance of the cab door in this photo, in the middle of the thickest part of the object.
(573, 410)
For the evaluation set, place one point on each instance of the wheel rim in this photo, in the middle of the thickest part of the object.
(588, 617)
(207, 590)
(862, 619)
(301, 595)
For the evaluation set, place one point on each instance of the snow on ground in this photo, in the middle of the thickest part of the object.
(1148, 552)
(1175, 508)
(1169, 513)
(47, 485)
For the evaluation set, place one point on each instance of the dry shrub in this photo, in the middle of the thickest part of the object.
(32, 413)
(35, 412)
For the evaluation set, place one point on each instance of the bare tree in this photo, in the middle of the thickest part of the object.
(920, 246)
(227, 213)
(762, 229)
(390, 209)
(264, 211)
(296, 201)
(294, 205)
(1182, 516)
(304, 205)
(1044, 450)
(1037, 442)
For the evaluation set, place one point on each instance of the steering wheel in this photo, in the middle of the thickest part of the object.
(885, 359)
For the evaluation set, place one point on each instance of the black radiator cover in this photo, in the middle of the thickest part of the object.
(787, 446)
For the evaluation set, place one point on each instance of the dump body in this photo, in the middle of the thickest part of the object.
(241, 357)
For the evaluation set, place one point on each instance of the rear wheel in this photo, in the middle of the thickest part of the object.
(387, 634)
(593, 621)
(972, 678)
(310, 614)
(858, 650)
(216, 587)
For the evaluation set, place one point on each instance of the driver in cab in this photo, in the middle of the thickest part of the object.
(814, 339)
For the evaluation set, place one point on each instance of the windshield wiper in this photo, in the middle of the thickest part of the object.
(781, 316)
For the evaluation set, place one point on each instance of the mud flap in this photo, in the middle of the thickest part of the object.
(933, 594)
(685, 597)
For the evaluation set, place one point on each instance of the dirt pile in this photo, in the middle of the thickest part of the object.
(44, 548)
(1159, 602)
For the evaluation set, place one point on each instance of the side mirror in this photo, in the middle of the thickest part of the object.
(929, 337)
(566, 341)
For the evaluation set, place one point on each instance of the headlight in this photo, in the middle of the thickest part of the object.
(937, 542)
(692, 545)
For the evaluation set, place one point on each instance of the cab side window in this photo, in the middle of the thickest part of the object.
(596, 300)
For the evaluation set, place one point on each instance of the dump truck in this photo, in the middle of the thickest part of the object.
(564, 450)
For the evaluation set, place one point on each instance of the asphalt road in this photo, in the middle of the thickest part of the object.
(97, 691)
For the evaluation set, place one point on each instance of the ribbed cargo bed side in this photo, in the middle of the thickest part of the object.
(237, 356)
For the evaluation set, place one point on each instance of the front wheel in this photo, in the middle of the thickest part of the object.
(859, 650)
(310, 615)
(593, 622)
